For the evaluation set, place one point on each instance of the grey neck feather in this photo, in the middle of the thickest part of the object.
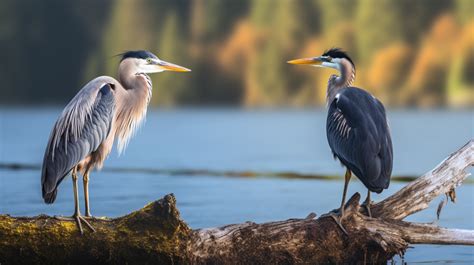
(127, 75)
(138, 85)
(134, 101)
(337, 83)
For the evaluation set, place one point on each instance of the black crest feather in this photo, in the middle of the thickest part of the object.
(137, 54)
(338, 53)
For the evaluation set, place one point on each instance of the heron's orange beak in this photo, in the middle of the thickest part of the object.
(172, 67)
(307, 61)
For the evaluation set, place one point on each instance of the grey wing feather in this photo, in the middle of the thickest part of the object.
(359, 137)
(80, 129)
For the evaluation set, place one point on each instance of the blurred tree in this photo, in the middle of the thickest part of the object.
(284, 29)
(262, 12)
(289, 25)
(388, 71)
(237, 49)
(43, 47)
(465, 10)
(235, 55)
(460, 83)
(220, 16)
(131, 27)
(314, 81)
(12, 54)
(417, 16)
(263, 76)
(235, 52)
(333, 12)
(377, 25)
(212, 22)
(426, 84)
(168, 89)
(337, 24)
(268, 73)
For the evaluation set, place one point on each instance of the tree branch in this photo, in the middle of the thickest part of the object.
(428, 234)
(417, 195)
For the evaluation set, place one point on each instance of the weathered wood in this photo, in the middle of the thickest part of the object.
(296, 241)
(319, 241)
(151, 235)
(417, 195)
(157, 235)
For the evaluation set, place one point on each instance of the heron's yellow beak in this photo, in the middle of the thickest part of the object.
(172, 67)
(307, 61)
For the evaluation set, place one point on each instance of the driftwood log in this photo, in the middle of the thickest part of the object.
(156, 234)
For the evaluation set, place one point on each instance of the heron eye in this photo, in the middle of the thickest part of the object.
(148, 60)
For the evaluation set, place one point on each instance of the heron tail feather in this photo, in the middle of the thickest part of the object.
(50, 197)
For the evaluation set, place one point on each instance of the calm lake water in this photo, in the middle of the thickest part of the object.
(240, 140)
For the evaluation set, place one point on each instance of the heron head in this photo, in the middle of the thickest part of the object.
(332, 58)
(146, 62)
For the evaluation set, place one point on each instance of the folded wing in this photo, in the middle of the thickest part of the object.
(359, 137)
(83, 125)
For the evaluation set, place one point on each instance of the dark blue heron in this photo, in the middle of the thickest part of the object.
(103, 111)
(356, 127)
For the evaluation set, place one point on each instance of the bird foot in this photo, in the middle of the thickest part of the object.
(78, 219)
(337, 217)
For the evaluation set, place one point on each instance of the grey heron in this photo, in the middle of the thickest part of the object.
(105, 110)
(356, 128)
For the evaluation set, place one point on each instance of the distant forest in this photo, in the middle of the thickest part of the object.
(407, 52)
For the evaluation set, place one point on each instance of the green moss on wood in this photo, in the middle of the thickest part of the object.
(151, 235)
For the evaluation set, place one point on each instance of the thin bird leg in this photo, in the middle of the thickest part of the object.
(77, 214)
(85, 182)
(338, 218)
(347, 178)
(366, 204)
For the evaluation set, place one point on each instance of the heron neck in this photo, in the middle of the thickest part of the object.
(337, 83)
(131, 109)
(137, 85)
(127, 75)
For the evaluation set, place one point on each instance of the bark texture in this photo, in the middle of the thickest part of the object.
(156, 234)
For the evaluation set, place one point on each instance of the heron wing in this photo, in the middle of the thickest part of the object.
(359, 137)
(83, 125)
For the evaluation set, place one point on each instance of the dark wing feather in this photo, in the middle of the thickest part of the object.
(359, 137)
(84, 124)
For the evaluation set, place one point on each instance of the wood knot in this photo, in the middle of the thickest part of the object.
(170, 199)
(311, 216)
(352, 204)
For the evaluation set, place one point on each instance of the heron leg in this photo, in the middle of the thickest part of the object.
(85, 182)
(338, 217)
(87, 215)
(366, 204)
(77, 213)
(347, 178)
